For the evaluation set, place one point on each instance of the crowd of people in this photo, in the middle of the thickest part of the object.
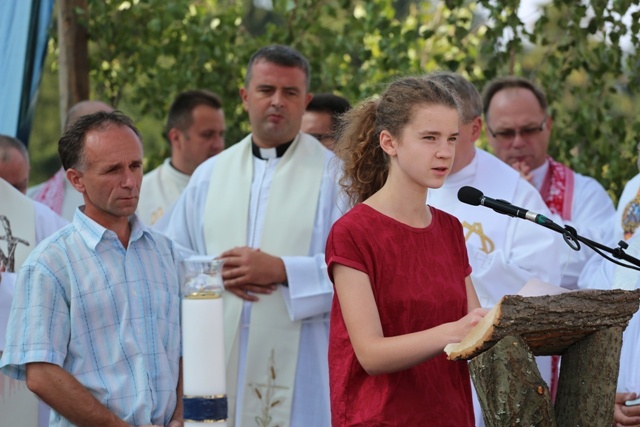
(349, 263)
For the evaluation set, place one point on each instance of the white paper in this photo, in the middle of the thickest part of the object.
(537, 288)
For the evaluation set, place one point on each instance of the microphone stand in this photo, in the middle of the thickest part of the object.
(571, 237)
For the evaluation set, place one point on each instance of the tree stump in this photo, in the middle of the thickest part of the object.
(585, 327)
(509, 386)
(588, 379)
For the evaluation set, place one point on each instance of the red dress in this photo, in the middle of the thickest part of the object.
(418, 280)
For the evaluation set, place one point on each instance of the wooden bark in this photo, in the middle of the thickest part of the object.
(509, 386)
(74, 55)
(588, 379)
(549, 324)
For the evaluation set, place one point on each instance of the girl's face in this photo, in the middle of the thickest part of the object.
(424, 152)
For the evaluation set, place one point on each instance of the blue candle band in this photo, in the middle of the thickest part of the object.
(207, 409)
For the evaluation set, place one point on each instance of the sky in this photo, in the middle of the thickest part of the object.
(530, 12)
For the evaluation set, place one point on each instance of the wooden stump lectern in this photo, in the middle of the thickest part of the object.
(584, 327)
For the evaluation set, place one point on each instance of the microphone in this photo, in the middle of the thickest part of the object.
(473, 196)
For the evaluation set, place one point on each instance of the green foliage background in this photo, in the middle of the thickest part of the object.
(143, 52)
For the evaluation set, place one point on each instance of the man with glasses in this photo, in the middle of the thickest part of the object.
(518, 130)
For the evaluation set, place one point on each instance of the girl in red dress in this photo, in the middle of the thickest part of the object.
(399, 267)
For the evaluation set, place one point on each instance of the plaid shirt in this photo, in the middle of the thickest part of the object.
(109, 316)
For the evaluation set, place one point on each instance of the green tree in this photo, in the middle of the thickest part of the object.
(143, 52)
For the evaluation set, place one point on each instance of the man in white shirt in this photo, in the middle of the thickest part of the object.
(195, 131)
(519, 130)
(57, 192)
(504, 252)
(265, 206)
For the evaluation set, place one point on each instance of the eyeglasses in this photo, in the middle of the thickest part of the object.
(509, 135)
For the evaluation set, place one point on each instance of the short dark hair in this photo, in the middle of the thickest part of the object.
(284, 56)
(330, 104)
(509, 82)
(72, 143)
(7, 142)
(180, 113)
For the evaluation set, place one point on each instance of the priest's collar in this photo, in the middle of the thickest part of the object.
(270, 153)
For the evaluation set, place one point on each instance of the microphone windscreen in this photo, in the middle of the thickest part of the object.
(470, 195)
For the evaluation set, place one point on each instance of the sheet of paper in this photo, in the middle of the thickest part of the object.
(537, 288)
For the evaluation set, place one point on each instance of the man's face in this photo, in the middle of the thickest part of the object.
(110, 175)
(518, 129)
(318, 125)
(465, 146)
(203, 139)
(275, 100)
(15, 170)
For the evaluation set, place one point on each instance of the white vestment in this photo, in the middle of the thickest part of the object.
(504, 252)
(600, 273)
(591, 212)
(309, 293)
(46, 222)
(627, 215)
(160, 189)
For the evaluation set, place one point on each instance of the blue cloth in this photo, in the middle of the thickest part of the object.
(110, 316)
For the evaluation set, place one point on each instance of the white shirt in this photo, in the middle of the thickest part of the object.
(160, 189)
(591, 212)
(306, 276)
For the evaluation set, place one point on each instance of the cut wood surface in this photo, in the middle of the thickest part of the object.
(548, 324)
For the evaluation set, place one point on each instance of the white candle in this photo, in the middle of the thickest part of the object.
(203, 349)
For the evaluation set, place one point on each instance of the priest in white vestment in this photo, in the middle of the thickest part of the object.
(195, 131)
(24, 223)
(600, 273)
(266, 206)
(504, 252)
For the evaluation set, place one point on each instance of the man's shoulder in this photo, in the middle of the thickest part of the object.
(53, 250)
(500, 167)
(588, 183)
(153, 173)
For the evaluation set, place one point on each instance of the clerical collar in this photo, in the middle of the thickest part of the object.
(270, 153)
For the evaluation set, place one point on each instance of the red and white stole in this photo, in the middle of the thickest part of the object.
(557, 189)
(52, 192)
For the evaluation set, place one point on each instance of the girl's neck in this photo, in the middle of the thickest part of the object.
(406, 205)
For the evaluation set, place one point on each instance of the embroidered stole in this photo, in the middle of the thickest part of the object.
(273, 344)
(17, 227)
(631, 216)
(557, 189)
